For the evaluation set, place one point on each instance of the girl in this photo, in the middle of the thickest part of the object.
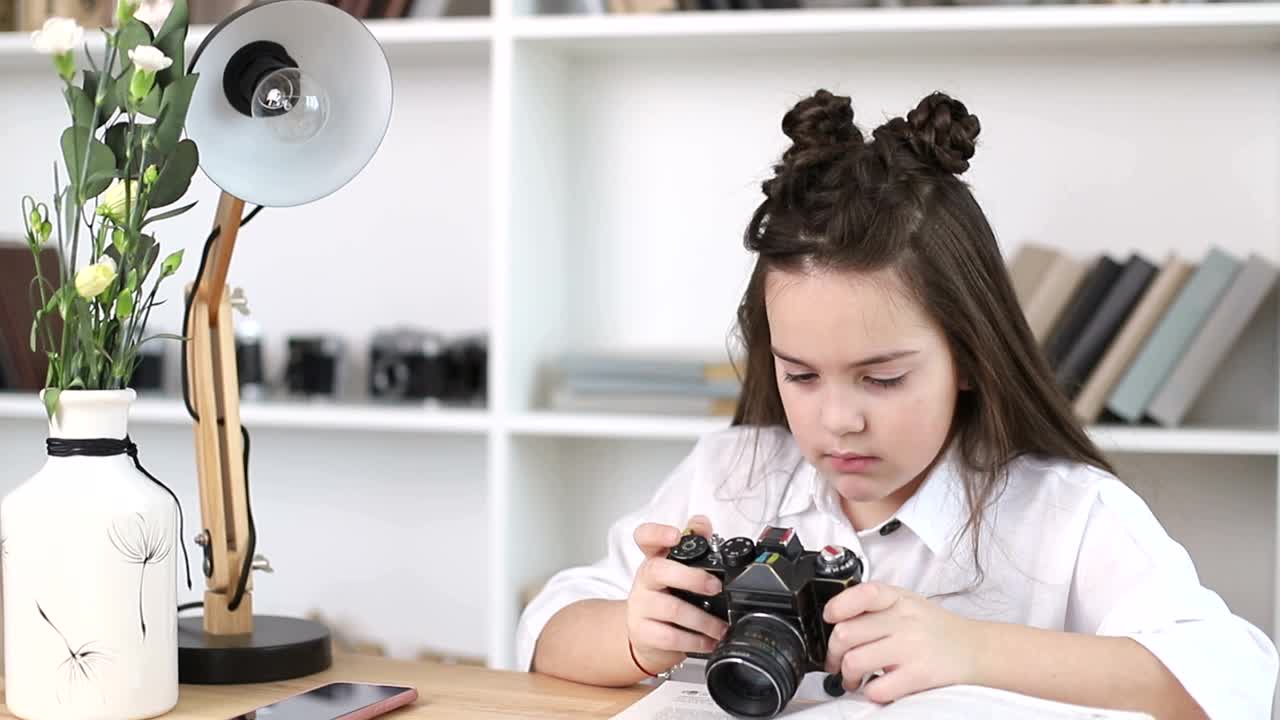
(895, 402)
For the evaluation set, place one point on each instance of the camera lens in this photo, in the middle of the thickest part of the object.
(755, 670)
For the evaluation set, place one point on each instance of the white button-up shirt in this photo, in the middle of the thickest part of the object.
(1066, 547)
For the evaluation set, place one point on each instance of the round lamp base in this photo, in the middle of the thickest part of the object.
(279, 648)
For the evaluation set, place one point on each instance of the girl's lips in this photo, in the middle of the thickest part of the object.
(851, 463)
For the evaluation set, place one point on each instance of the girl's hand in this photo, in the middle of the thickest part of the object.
(913, 641)
(661, 627)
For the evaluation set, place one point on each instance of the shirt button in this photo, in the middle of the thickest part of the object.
(890, 526)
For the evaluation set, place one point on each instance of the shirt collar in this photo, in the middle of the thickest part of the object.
(935, 512)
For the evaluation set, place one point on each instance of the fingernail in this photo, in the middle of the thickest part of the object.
(713, 586)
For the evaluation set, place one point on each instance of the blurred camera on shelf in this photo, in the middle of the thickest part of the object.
(314, 365)
(149, 375)
(250, 362)
(415, 364)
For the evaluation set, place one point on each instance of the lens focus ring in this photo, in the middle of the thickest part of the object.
(756, 669)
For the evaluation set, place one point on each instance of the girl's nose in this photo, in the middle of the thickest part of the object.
(843, 413)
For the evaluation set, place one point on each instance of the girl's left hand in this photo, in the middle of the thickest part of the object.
(916, 643)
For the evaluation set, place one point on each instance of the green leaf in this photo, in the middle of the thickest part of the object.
(175, 175)
(171, 264)
(81, 105)
(124, 304)
(132, 284)
(51, 400)
(171, 40)
(151, 106)
(35, 329)
(167, 214)
(100, 178)
(174, 104)
(131, 36)
(92, 79)
(102, 161)
(148, 251)
(117, 137)
(162, 336)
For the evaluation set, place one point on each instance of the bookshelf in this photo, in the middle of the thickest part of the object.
(573, 182)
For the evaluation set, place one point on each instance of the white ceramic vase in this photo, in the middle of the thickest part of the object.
(90, 578)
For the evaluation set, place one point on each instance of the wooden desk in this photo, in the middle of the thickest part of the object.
(444, 691)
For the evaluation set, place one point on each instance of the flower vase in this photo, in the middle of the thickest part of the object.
(88, 546)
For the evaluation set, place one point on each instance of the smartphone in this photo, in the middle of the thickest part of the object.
(336, 701)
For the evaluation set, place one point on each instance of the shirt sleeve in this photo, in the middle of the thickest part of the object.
(1133, 580)
(610, 577)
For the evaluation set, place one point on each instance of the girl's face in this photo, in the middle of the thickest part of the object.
(867, 380)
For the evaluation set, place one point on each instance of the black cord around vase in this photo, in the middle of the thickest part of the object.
(108, 447)
(251, 543)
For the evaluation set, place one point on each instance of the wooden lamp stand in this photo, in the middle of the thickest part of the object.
(230, 645)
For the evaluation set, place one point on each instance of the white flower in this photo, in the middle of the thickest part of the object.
(112, 201)
(93, 279)
(149, 58)
(59, 35)
(153, 13)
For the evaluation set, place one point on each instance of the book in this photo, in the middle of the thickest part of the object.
(680, 700)
(1154, 362)
(1079, 359)
(675, 366)
(1084, 303)
(1218, 334)
(1059, 283)
(566, 399)
(17, 312)
(1173, 273)
(1028, 268)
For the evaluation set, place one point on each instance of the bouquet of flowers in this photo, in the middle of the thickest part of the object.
(123, 158)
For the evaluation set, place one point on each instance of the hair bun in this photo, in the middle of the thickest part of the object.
(822, 121)
(939, 130)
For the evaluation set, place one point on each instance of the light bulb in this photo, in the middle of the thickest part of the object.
(293, 104)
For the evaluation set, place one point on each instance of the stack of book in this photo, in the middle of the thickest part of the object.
(645, 382)
(1135, 340)
(20, 368)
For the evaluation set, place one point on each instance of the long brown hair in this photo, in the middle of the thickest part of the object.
(839, 202)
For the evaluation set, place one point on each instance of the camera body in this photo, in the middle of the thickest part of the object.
(412, 364)
(773, 594)
(406, 364)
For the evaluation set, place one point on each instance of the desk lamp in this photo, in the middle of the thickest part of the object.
(294, 100)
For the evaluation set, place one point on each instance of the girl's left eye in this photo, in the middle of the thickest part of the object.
(887, 382)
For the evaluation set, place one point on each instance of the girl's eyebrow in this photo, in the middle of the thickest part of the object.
(873, 360)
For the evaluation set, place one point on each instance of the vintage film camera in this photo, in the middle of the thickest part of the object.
(773, 595)
(413, 364)
(315, 365)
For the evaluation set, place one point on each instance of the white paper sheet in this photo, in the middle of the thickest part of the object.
(677, 700)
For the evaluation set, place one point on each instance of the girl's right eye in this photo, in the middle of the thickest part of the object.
(801, 378)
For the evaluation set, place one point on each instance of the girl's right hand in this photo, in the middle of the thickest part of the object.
(661, 627)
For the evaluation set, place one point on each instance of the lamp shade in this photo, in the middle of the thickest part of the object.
(305, 145)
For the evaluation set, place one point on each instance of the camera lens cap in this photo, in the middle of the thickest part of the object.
(736, 552)
(692, 546)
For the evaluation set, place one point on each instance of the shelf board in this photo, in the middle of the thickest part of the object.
(293, 415)
(1186, 441)
(393, 35)
(371, 417)
(1109, 438)
(981, 28)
